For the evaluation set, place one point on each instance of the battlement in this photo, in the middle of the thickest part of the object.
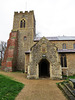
(27, 15)
(26, 12)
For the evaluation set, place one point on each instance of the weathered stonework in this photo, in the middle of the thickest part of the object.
(28, 32)
(27, 54)
(51, 55)
(10, 57)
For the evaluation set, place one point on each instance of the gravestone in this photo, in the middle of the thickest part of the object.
(73, 81)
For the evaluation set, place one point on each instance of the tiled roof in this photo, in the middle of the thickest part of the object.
(57, 38)
(66, 50)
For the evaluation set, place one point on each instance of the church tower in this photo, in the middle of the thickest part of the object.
(20, 40)
(25, 24)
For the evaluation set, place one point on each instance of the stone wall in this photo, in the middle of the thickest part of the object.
(28, 32)
(10, 57)
(71, 63)
(69, 44)
(58, 44)
(70, 69)
(51, 55)
(14, 58)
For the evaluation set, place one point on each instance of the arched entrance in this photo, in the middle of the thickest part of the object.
(44, 69)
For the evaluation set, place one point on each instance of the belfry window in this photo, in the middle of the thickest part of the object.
(63, 46)
(25, 38)
(22, 23)
(63, 60)
(74, 46)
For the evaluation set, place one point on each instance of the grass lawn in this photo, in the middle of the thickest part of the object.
(9, 88)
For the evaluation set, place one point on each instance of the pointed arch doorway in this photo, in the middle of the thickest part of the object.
(44, 68)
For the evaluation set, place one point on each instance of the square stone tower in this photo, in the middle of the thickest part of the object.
(20, 40)
(25, 24)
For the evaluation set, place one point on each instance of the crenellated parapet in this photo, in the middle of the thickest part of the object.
(26, 12)
(20, 40)
(27, 16)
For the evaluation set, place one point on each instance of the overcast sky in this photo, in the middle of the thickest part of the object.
(53, 17)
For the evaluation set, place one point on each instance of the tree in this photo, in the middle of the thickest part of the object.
(3, 46)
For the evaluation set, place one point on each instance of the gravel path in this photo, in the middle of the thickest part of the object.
(42, 89)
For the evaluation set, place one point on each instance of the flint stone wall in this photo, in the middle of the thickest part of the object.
(51, 55)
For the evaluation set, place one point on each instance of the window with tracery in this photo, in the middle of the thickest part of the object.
(63, 46)
(63, 60)
(22, 23)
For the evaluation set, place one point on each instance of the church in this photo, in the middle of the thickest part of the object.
(38, 57)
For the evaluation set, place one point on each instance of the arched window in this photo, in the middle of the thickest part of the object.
(74, 46)
(22, 23)
(63, 46)
(25, 38)
(63, 60)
